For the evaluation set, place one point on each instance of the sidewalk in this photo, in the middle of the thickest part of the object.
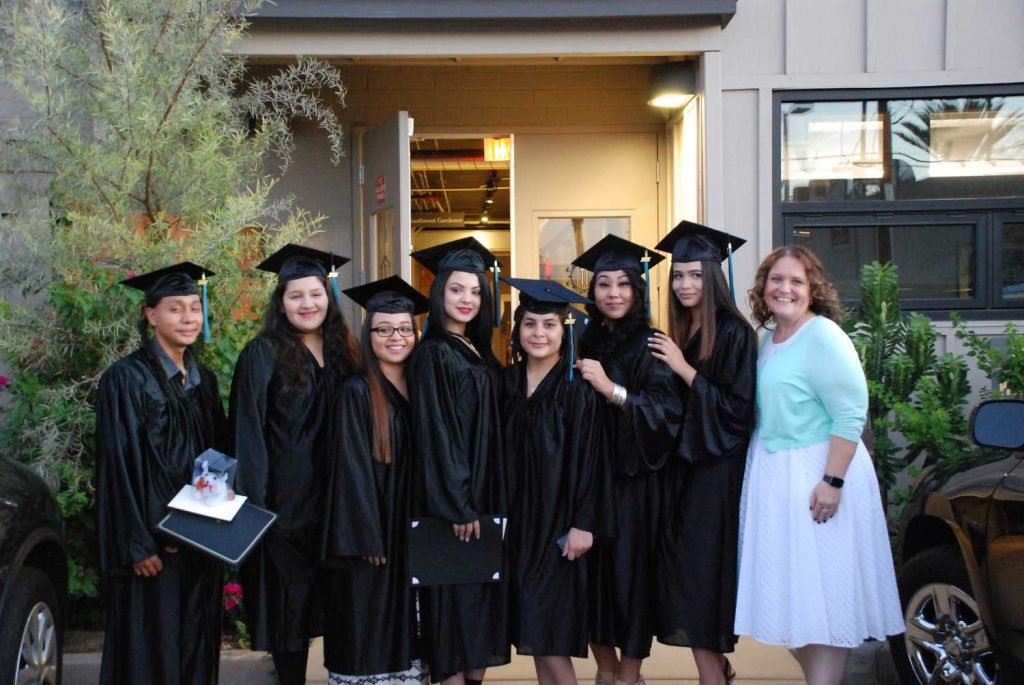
(755, 664)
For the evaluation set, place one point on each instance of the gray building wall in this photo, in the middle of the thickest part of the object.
(773, 45)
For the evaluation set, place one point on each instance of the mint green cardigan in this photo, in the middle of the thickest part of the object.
(810, 388)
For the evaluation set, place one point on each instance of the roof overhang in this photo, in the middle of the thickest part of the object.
(654, 11)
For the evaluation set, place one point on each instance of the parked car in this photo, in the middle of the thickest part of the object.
(33, 578)
(961, 576)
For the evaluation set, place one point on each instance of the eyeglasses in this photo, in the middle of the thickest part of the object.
(388, 331)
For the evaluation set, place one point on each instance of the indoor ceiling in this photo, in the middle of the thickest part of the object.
(454, 186)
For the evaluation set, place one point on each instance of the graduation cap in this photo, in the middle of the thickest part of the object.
(464, 254)
(298, 261)
(691, 242)
(554, 293)
(389, 295)
(612, 253)
(183, 278)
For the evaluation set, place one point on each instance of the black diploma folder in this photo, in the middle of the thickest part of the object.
(230, 541)
(437, 557)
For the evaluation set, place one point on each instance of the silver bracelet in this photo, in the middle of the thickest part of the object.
(619, 395)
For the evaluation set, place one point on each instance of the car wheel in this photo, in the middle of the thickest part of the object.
(30, 637)
(945, 640)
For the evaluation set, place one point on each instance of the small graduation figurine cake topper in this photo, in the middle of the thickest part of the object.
(213, 477)
(298, 261)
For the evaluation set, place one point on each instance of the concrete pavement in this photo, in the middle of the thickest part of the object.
(755, 664)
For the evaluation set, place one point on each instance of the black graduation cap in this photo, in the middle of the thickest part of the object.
(612, 253)
(389, 295)
(183, 278)
(177, 279)
(437, 557)
(543, 290)
(464, 254)
(691, 242)
(552, 292)
(298, 261)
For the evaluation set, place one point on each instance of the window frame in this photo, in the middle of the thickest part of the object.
(988, 301)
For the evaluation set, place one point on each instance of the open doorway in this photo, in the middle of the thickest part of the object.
(461, 187)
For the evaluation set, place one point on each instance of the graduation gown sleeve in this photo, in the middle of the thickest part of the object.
(437, 408)
(124, 528)
(652, 415)
(720, 402)
(249, 392)
(353, 527)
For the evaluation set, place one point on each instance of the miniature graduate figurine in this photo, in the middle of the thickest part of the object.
(556, 471)
(279, 397)
(370, 617)
(453, 386)
(641, 422)
(713, 352)
(157, 409)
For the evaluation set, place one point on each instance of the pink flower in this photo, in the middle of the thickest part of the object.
(131, 274)
(233, 589)
(4, 380)
(230, 603)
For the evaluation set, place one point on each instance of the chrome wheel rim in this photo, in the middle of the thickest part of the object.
(37, 662)
(945, 637)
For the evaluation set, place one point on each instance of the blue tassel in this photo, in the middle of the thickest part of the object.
(732, 287)
(497, 297)
(206, 318)
(646, 259)
(333, 277)
(426, 323)
(572, 343)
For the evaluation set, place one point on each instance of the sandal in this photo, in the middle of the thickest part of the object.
(728, 671)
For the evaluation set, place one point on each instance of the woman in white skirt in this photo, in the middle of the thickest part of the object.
(816, 572)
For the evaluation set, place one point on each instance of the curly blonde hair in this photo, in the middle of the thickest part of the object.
(824, 298)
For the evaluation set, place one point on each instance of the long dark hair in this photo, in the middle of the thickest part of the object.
(528, 304)
(375, 380)
(341, 350)
(714, 300)
(598, 341)
(478, 330)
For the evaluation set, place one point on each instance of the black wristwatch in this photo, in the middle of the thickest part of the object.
(834, 481)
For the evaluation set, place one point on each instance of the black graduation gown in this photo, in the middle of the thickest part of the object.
(697, 566)
(641, 436)
(370, 625)
(454, 400)
(163, 630)
(280, 468)
(555, 467)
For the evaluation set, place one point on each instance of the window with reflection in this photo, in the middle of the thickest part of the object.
(563, 239)
(936, 260)
(902, 149)
(931, 181)
(1011, 286)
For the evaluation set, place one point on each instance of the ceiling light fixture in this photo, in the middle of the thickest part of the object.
(672, 84)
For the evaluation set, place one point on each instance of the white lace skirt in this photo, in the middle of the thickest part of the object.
(416, 674)
(801, 582)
